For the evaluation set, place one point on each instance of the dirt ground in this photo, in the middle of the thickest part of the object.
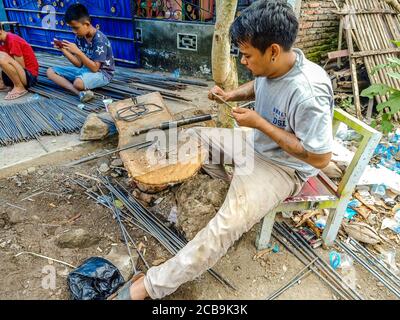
(39, 204)
(65, 206)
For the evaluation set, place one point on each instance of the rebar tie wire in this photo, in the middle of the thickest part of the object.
(137, 111)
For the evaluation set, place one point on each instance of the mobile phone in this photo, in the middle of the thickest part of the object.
(58, 43)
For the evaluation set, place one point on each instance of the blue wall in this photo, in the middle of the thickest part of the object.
(2, 12)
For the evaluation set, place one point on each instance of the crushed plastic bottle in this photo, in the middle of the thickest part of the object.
(389, 257)
(345, 263)
(34, 98)
(378, 191)
(349, 135)
(340, 260)
(389, 162)
(107, 102)
(321, 223)
(176, 74)
(354, 204)
(350, 213)
(397, 215)
(392, 224)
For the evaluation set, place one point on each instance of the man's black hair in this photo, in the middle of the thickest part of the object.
(264, 23)
(76, 12)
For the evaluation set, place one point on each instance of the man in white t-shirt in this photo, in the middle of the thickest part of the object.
(292, 125)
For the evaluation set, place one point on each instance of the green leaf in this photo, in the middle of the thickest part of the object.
(395, 61)
(395, 75)
(397, 43)
(379, 67)
(393, 103)
(59, 117)
(376, 90)
(119, 204)
(374, 123)
(387, 126)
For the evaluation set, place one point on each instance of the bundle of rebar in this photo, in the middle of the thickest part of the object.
(28, 121)
(302, 250)
(135, 214)
(372, 264)
(125, 84)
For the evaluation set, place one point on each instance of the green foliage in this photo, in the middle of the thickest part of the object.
(347, 103)
(392, 105)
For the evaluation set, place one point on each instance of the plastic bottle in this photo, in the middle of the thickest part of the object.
(378, 190)
(348, 135)
(176, 74)
(34, 98)
(389, 162)
(380, 149)
(397, 215)
(340, 260)
(345, 263)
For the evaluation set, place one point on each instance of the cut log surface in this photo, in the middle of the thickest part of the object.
(156, 167)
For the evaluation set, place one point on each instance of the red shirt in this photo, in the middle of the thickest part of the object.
(15, 46)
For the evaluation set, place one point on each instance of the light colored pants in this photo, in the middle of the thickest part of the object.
(250, 197)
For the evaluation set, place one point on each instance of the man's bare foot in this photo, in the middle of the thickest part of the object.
(138, 290)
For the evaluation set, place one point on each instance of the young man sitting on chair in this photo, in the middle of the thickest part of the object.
(91, 55)
(292, 129)
(18, 64)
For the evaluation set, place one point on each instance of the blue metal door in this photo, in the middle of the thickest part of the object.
(42, 20)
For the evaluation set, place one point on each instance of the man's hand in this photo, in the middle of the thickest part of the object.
(247, 118)
(219, 92)
(71, 47)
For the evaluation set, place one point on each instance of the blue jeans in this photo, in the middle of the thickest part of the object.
(91, 80)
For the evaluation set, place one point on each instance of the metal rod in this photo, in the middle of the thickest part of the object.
(390, 287)
(302, 274)
(329, 270)
(305, 260)
(90, 158)
(369, 255)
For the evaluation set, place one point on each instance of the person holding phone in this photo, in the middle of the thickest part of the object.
(91, 55)
(19, 67)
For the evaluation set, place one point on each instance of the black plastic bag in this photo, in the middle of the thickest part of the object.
(95, 279)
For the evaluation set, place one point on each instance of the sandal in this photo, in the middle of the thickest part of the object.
(14, 96)
(124, 292)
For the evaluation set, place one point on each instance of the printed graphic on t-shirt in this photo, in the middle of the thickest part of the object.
(99, 50)
(279, 118)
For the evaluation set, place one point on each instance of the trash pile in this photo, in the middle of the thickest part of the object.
(370, 231)
(387, 153)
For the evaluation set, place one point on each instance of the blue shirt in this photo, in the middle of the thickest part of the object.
(99, 50)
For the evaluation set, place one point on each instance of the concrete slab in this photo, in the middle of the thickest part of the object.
(27, 151)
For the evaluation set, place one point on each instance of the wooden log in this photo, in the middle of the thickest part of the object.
(154, 169)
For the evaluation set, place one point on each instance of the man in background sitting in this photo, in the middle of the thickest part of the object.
(18, 64)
